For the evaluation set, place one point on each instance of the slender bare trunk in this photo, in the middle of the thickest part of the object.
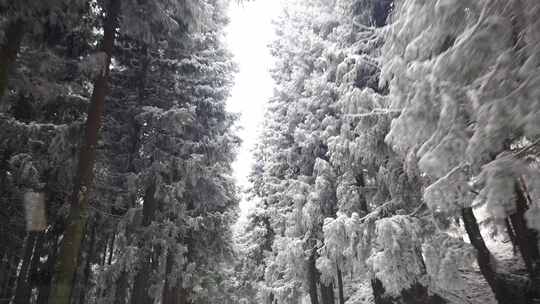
(46, 273)
(483, 255)
(362, 202)
(140, 286)
(68, 258)
(312, 277)
(172, 291)
(501, 287)
(327, 293)
(340, 286)
(526, 240)
(87, 273)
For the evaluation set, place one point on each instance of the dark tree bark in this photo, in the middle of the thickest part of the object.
(507, 288)
(71, 244)
(9, 50)
(149, 206)
(89, 259)
(526, 240)
(140, 286)
(78, 279)
(22, 289)
(173, 292)
(327, 293)
(482, 252)
(45, 276)
(312, 277)
(360, 183)
(340, 286)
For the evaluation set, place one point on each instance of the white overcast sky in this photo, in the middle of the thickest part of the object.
(248, 35)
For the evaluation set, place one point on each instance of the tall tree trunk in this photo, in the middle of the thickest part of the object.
(526, 240)
(89, 259)
(172, 291)
(312, 277)
(140, 293)
(140, 286)
(13, 35)
(505, 288)
(71, 244)
(327, 293)
(46, 273)
(340, 286)
(482, 252)
(22, 289)
(79, 274)
(525, 237)
(360, 183)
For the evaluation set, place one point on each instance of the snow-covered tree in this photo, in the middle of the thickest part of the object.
(464, 75)
(156, 225)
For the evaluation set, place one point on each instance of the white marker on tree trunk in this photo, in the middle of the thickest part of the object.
(34, 206)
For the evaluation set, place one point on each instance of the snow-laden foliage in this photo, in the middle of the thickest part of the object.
(397, 260)
(443, 266)
(498, 181)
(460, 72)
(384, 108)
(450, 193)
(463, 76)
(157, 222)
(290, 261)
(322, 160)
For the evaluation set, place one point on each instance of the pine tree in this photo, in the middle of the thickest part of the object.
(165, 136)
(462, 77)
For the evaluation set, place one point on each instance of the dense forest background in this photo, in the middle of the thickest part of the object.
(398, 161)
